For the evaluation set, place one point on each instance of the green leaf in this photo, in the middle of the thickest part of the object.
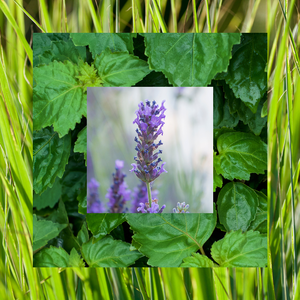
(197, 261)
(51, 258)
(260, 221)
(48, 198)
(264, 110)
(102, 224)
(120, 68)
(61, 51)
(172, 53)
(82, 201)
(255, 122)
(50, 156)
(239, 249)
(98, 42)
(59, 215)
(80, 144)
(246, 72)
(83, 235)
(109, 253)
(43, 41)
(218, 180)
(168, 238)
(58, 98)
(55, 257)
(75, 260)
(74, 178)
(44, 231)
(237, 205)
(240, 154)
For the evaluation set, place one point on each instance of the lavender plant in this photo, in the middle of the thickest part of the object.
(140, 196)
(118, 193)
(149, 119)
(94, 204)
(181, 208)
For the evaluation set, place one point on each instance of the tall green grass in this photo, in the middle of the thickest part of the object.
(18, 280)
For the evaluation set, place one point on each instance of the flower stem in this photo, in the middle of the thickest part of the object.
(149, 193)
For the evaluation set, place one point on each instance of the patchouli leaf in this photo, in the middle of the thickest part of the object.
(75, 260)
(246, 74)
(109, 253)
(82, 201)
(240, 154)
(218, 180)
(44, 231)
(58, 97)
(52, 257)
(83, 235)
(102, 224)
(197, 261)
(74, 178)
(168, 238)
(239, 249)
(80, 144)
(50, 156)
(204, 54)
(237, 205)
(61, 51)
(98, 42)
(48, 198)
(260, 221)
(120, 68)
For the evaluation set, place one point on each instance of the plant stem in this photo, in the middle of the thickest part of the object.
(208, 16)
(149, 193)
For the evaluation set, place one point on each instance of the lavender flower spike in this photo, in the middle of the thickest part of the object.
(118, 193)
(140, 196)
(181, 208)
(154, 209)
(93, 201)
(149, 119)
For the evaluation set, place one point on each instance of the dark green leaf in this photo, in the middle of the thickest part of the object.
(48, 198)
(109, 253)
(50, 156)
(83, 235)
(237, 205)
(51, 258)
(239, 249)
(197, 261)
(120, 68)
(98, 42)
(59, 215)
(240, 154)
(260, 221)
(246, 73)
(102, 224)
(80, 144)
(218, 180)
(61, 51)
(168, 238)
(58, 98)
(172, 53)
(44, 231)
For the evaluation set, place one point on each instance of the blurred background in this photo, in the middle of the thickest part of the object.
(187, 141)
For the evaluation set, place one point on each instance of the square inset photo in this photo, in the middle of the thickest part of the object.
(149, 150)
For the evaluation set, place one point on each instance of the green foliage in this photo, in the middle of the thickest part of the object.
(239, 249)
(65, 66)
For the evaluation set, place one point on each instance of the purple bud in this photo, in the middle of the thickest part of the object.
(118, 194)
(154, 209)
(94, 204)
(181, 208)
(149, 119)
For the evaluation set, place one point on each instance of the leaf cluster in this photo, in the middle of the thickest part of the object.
(234, 235)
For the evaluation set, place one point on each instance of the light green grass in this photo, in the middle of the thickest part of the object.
(18, 280)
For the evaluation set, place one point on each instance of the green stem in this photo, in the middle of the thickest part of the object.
(149, 193)
(208, 16)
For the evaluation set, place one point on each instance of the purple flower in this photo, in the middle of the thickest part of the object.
(150, 122)
(140, 196)
(154, 209)
(181, 208)
(118, 193)
(93, 201)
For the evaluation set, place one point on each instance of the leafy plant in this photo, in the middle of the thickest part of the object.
(236, 228)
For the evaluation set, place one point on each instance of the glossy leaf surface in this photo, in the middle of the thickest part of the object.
(237, 204)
